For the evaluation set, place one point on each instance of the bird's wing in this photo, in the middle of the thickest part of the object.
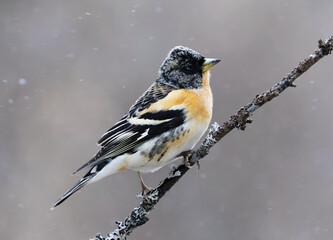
(154, 93)
(139, 125)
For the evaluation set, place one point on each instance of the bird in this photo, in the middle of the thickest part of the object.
(165, 122)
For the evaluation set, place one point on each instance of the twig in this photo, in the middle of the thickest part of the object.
(139, 215)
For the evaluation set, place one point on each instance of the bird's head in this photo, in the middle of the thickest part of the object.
(184, 68)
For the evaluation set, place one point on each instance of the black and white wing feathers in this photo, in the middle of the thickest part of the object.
(134, 128)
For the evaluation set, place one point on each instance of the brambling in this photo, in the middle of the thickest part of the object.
(164, 123)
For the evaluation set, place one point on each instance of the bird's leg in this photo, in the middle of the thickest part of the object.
(198, 164)
(145, 188)
(186, 155)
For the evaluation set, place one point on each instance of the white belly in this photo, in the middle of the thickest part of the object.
(143, 163)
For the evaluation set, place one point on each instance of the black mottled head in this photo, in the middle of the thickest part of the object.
(183, 68)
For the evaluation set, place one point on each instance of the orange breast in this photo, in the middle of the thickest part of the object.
(197, 102)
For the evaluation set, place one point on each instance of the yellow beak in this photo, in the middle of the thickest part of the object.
(209, 63)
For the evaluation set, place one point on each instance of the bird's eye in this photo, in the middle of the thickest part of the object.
(190, 67)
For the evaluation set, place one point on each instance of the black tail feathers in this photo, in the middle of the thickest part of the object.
(83, 181)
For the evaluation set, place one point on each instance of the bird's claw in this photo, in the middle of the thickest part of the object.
(186, 156)
(198, 165)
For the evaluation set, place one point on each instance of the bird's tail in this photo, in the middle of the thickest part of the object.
(83, 181)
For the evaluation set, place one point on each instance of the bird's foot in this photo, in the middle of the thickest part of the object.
(145, 192)
(198, 164)
(145, 188)
(186, 155)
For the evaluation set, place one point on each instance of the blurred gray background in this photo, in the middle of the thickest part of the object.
(70, 69)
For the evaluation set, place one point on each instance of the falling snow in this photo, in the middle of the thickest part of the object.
(70, 55)
(158, 9)
(22, 81)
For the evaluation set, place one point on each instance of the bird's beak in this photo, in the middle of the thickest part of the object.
(209, 63)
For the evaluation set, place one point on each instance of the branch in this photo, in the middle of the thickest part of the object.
(139, 215)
